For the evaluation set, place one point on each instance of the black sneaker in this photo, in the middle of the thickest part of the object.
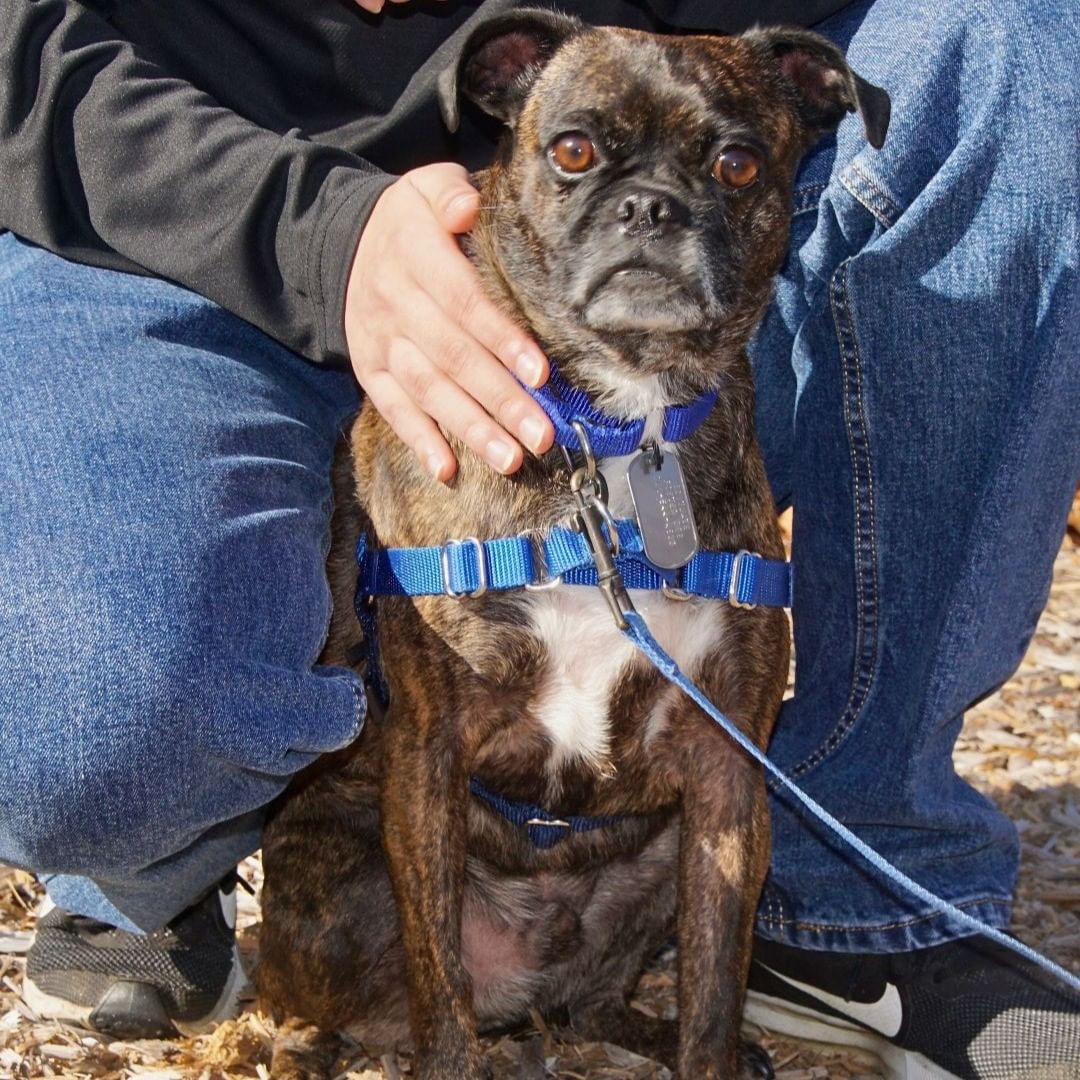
(966, 1010)
(181, 979)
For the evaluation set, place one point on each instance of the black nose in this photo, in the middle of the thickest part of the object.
(651, 213)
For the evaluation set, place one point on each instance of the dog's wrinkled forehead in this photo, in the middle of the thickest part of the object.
(531, 65)
(638, 90)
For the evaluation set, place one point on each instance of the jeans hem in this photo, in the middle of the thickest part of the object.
(900, 935)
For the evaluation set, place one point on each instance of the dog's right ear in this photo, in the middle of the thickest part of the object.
(500, 61)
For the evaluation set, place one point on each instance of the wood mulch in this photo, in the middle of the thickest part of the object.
(1021, 747)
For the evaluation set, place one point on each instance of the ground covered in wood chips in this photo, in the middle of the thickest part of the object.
(1021, 747)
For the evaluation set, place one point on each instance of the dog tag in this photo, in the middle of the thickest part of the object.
(662, 505)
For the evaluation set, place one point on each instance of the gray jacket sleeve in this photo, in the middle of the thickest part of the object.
(107, 159)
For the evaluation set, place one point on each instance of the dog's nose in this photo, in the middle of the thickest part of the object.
(651, 213)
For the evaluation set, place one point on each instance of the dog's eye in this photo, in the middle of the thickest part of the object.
(736, 167)
(573, 152)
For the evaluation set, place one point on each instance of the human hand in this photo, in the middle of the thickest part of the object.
(375, 6)
(426, 344)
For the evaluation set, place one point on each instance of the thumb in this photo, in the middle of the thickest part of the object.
(446, 189)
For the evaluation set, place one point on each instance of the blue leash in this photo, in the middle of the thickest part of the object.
(640, 635)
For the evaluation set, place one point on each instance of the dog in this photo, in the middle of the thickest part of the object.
(633, 221)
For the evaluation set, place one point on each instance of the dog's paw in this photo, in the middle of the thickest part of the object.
(302, 1051)
(754, 1062)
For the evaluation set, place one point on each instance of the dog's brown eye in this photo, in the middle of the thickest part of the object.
(736, 167)
(573, 152)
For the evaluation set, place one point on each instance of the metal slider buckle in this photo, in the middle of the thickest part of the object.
(736, 574)
(546, 580)
(674, 592)
(481, 568)
(543, 821)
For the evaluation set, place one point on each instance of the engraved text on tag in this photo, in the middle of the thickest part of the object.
(662, 504)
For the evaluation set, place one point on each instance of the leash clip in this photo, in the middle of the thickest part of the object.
(586, 485)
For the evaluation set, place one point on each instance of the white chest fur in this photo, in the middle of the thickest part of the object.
(587, 655)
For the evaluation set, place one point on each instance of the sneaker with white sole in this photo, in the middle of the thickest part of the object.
(182, 978)
(969, 1009)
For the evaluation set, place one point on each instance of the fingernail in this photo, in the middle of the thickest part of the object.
(460, 202)
(529, 367)
(533, 432)
(434, 465)
(500, 454)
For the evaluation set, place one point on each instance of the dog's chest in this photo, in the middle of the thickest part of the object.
(586, 656)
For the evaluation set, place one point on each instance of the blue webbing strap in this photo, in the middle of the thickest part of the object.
(544, 829)
(510, 563)
(608, 435)
(639, 634)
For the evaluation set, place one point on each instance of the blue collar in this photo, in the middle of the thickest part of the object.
(608, 435)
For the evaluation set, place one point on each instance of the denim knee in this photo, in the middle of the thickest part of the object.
(144, 728)
(163, 598)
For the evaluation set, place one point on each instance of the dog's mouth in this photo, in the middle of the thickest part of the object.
(642, 297)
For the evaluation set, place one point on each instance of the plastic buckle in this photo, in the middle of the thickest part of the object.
(736, 575)
(481, 568)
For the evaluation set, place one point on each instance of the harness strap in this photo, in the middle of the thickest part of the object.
(608, 435)
(544, 829)
(472, 567)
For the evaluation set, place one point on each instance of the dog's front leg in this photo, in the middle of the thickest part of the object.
(723, 857)
(424, 805)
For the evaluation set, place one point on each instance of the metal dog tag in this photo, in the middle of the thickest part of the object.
(662, 506)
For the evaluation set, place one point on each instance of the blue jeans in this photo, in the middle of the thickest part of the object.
(164, 479)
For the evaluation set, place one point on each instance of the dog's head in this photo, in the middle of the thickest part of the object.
(642, 196)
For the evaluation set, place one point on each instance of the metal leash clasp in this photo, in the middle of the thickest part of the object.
(590, 494)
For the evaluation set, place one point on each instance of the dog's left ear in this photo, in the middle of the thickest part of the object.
(500, 61)
(826, 87)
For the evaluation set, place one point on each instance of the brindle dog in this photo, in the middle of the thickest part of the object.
(633, 221)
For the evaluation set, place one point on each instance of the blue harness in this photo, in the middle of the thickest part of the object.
(563, 556)
(592, 556)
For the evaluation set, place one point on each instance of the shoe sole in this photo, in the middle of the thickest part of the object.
(831, 1033)
(50, 1007)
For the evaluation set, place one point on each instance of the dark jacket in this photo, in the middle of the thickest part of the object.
(238, 146)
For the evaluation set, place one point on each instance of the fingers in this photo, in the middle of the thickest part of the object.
(460, 356)
(426, 342)
(411, 424)
(453, 408)
(457, 291)
(446, 189)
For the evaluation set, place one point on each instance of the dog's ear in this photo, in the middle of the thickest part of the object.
(500, 61)
(825, 86)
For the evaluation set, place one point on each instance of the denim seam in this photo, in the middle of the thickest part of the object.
(870, 194)
(360, 697)
(806, 199)
(865, 546)
(772, 898)
(985, 901)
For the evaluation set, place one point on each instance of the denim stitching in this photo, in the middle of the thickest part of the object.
(360, 715)
(862, 479)
(807, 198)
(988, 901)
(870, 194)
